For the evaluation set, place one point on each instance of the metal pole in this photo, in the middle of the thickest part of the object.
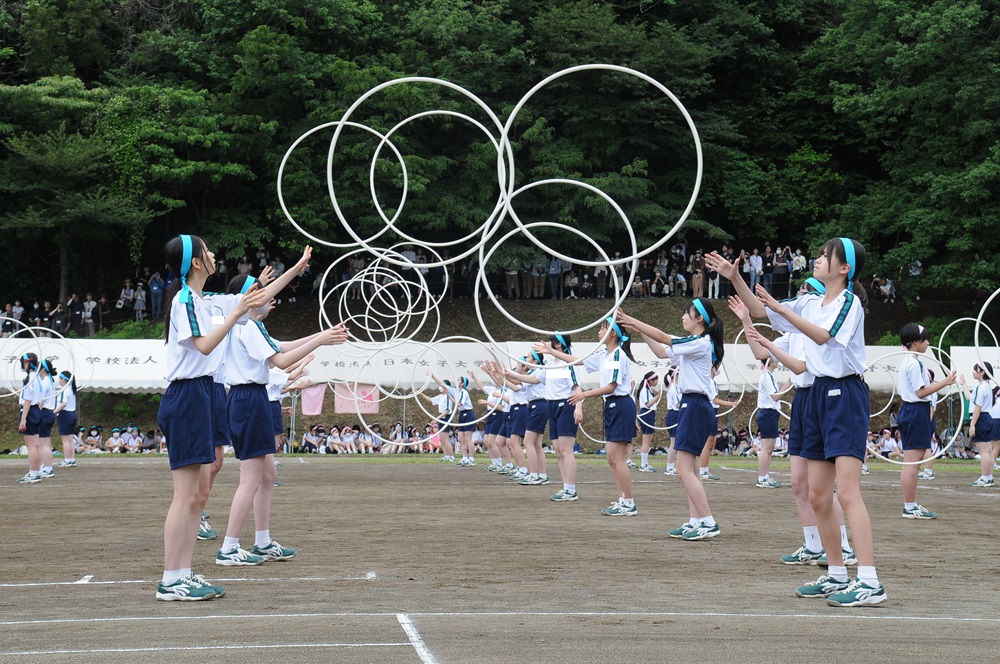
(291, 430)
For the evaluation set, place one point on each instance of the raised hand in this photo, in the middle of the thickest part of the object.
(726, 269)
(737, 307)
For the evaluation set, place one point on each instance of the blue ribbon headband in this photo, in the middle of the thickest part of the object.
(538, 358)
(65, 375)
(614, 326)
(248, 284)
(562, 340)
(816, 284)
(188, 249)
(702, 310)
(849, 255)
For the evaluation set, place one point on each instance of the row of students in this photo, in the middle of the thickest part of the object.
(834, 411)
(198, 419)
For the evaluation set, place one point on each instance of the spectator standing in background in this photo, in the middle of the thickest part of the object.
(799, 265)
(156, 288)
(140, 303)
(538, 268)
(75, 309)
(697, 275)
(554, 273)
(89, 305)
(768, 265)
(600, 280)
(756, 269)
(780, 284)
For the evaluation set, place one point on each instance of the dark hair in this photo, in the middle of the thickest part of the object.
(835, 249)
(237, 283)
(554, 339)
(987, 368)
(625, 345)
(714, 331)
(912, 333)
(70, 378)
(32, 361)
(47, 366)
(645, 381)
(174, 251)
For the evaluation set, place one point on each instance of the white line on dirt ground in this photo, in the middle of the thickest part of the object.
(88, 580)
(200, 648)
(846, 615)
(418, 643)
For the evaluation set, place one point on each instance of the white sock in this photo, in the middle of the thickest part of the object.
(813, 542)
(570, 488)
(497, 462)
(707, 521)
(704, 471)
(761, 478)
(186, 571)
(543, 476)
(47, 469)
(670, 466)
(838, 573)
(867, 575)
(34, 473)
(909, 506)
(262, 538)
(522, 469)
(509, 465)
(171, 576)
(645, 458)
(533, 476)
(230, 544)
(628, 502)
(845, 544)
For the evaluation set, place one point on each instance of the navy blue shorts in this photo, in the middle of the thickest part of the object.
(220, 418)
(493, 423)
(838, 423)
(561, 421)
(984, 428)
(32, 421)
(695, 423)
(443, 423)
(619, 419)
(673, 416)
(647, 420)
(504, 430)
(800, 415)
(518, 422)
(250, 421)
(767, 423)
(278, 424)
(45, 424)
(185, 418)
(67, 422)
(464, 418)
(538, 417)
(914, 421)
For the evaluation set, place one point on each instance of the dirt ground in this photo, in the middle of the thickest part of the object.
(408, 560)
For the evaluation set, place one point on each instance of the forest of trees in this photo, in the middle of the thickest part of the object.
(124, 122)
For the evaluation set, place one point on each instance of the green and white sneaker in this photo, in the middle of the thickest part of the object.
(678, 533)
(768, 483)
(220, 592)
(446, 459)
(619, 509)
(709, 476)
(493, 468)
(564, 496)
(700, 532)
(516, 475)
(237, 557)
(925, 474)
(858, 594)
(802, 556)
(67, 463)
(864, 470)
(670, 472)
(850, 558)
(646, 468)
(630, 464)
(824, 586)
(544, 480)
(205, 531)
(29, 479)
(982, 481)
(185, 589)
(919, 512)
(528, 480)
(273, 551)
(504, 470)
(45, 474)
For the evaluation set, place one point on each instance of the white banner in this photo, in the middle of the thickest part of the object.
(138, 365)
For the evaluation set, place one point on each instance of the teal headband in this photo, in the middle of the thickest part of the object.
(65, 375)
(538, 358)
(562, 340)
(614, 326)
(816, 284)
(702, 310)
(188, 249)
(248, 284)
(849, 255)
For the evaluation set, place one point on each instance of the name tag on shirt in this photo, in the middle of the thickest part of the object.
(218, 320)
(560, 373)
(612, 364)
(833, 393)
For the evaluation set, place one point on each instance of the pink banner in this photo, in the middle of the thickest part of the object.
(344, 401)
